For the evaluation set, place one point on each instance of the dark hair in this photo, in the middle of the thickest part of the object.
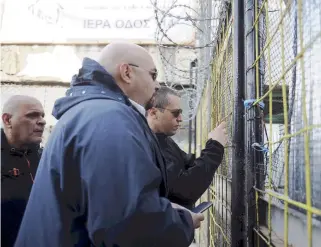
(161, 96)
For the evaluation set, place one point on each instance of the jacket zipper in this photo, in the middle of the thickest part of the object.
(28, 163)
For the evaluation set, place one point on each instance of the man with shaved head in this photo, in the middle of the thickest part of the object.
(23, 124)
(102, 178)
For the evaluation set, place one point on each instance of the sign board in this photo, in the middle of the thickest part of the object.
(91, 21)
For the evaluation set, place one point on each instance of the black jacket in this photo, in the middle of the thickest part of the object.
(100, 182)
(189, 178)
(16, 184)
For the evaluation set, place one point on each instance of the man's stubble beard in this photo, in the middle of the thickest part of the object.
(150, 102)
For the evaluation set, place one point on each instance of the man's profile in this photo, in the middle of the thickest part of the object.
(102, 179)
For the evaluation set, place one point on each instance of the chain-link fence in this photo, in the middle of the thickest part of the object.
(287, 66)
(222, 103)
(256, 65)
(215, 107)
(278, 79)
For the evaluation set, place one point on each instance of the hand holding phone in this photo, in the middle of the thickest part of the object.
(196, 217)
(202, 207)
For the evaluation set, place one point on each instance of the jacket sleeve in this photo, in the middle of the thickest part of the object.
(197, 174)
(121, 184)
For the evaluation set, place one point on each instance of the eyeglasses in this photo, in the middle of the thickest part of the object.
(152, 73)
(175, 112)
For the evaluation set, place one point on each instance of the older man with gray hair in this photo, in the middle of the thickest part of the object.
(22, 128)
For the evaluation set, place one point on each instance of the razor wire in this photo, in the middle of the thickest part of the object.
(188, 66)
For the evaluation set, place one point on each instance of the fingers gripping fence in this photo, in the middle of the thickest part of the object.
(266, 83)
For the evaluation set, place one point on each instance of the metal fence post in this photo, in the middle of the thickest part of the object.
(252, 122)
(192, 82)
(238, 207)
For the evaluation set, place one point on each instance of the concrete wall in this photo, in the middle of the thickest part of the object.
(58, 63)
(298, 235)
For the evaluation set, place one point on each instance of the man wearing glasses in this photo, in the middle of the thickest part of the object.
(188, 178)
(102, 180)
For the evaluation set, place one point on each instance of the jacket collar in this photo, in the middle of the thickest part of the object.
(5, 147)
(93, 74)
(138, 107)
(92, 82)
(161, 136)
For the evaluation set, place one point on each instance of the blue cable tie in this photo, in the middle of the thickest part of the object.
(265, 150)
(249, 103)
(259, 147)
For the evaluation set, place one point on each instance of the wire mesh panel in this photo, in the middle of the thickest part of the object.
(288, 81)
(202, 127)
(217, 106)
(222, 110)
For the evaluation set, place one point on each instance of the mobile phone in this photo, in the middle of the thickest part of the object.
(202, 207)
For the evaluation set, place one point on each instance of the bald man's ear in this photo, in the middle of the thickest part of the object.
(6, 119)
(125, 73)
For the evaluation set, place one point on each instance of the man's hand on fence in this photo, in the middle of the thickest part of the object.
(219, 134)
(197, 218)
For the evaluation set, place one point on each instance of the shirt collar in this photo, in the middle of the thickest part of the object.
(139, 108)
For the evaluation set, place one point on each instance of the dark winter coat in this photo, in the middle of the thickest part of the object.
(18, 168)
(102, 179)
(189, 178)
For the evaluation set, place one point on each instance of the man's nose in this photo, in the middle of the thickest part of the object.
(179, 118)
(157, 85)
(42, 121)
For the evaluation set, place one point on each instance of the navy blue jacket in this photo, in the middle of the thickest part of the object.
(101, 180)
